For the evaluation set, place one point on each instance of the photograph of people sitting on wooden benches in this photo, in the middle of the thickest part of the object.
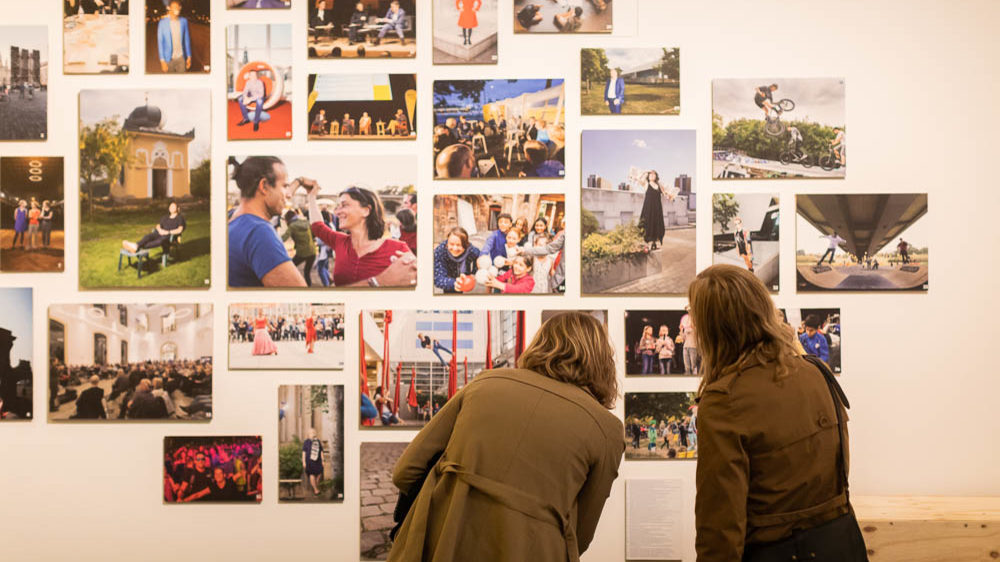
(127, 362)
(311, 443)
(144, 189)
(31, 213)
(362, 106)
(363, 28)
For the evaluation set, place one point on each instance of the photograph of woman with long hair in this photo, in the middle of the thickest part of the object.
(262, 342)
(651, 216)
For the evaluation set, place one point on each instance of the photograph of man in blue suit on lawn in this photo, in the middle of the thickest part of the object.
(630, 81)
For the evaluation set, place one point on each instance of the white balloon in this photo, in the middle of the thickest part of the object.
(500, 261)
(483, 261)
(494, 271)
(482, 276)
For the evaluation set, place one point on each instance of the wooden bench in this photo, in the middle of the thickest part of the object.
(291, 486)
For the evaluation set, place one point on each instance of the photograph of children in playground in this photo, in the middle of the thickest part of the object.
(499, 244)
(16, 375)
(286, 336)
(661, 426)
(660, 343)
(465, 31)
(362, 28)
(416, 360)
(766, 128)
(862, 242)
(362, 106)
(95, 37)
(630, 81)
(145, 180)
(215, 469)
(378, 497)
(563, 16)
(259, 81)
(311, 443)
(819, 332)
(745, 230)
(499, 129)
(32, 210)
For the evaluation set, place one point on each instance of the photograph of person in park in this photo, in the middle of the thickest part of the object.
(767, 128)
(416, 360)
(362, 106)
(178, 34)
(745, 233)
(145, 180)
(500, 244)
(661, 426)
(308, 221)
(216, 469)
(16, 376)
(287, 336)
(563, 16)
(95, 37)
(660, 343)
(465, 31)
(24, 78)
(499, 129)
(362, 28)
(31, 213)
(259, 81)
(128, 362)
(638, 211)
(862, 242)
(630, 81)
(311, 443)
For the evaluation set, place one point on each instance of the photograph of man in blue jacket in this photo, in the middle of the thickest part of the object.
(614, 92)
(173, 38)
(496, 244)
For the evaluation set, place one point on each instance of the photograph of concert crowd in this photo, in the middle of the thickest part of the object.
(311, 443)
(362, 106)
(16, 376)
(129, 362)
(24, 78)
(32, 211)
(95, 37)
(362, 28)
(287, 336)
(178, 36)
(499, 129)
(217, 469)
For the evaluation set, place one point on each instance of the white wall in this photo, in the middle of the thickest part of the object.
(921, 107)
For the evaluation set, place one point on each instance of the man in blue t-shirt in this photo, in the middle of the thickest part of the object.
(813, 341)
(257, 256)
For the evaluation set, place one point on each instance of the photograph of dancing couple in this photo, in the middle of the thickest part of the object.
(291, 336)
(306, 221)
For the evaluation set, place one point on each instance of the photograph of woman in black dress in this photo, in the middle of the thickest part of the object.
(651, 217)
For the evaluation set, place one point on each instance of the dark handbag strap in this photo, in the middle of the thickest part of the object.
(839, 398)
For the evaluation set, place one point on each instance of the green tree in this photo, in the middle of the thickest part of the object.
(201, 180)
(104, 154)
(724, 208)
(648, 407)
(718, 131)
(469, 90)
(670, 64)
(589, 223)
(593, 66)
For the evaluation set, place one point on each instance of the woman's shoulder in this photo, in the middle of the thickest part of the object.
(563, 390)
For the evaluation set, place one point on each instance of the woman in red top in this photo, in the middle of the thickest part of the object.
(364, 256)
(33, 224)
(262, 342)
(517, 279)
(310, 331)
(467, 19)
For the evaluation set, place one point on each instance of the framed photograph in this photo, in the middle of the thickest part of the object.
(639, 211)
(660, 343)
(286, 336)
(766, 128)
(499, 129)
(259, 81)
(634, 81)
(362, 106)
(95, 37)
(145, 181)
(215, 469)
(16, 375)
(258, 4)
(465, 31)
(745, 229)
(661, 426)
(494, 244)
(24, 50)
(304, 238)
(311, 443)
(178, 36)
(819, 332)
(362, 28)
(130, 362)
(416, 360)
(378, 497)
(563, 16)
(31, 214)
(862, 242)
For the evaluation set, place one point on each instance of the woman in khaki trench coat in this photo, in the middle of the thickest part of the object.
(527, 456)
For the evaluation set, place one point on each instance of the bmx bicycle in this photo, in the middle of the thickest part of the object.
(773, 125)
(796, 156)
(829, 160)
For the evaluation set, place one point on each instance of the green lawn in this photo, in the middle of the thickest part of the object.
(101, 238)
(640, 99)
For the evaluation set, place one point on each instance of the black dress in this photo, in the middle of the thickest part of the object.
(651, 217)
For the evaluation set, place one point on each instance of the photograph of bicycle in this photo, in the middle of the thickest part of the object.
(767, 128)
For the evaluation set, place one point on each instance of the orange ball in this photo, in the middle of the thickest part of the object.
(466, 283)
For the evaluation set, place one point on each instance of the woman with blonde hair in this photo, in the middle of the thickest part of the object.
(763, 405)
(498, 486)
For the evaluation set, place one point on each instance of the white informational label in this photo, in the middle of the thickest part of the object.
(653, 519)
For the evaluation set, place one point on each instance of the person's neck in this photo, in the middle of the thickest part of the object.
(359, 237)
(255, 207)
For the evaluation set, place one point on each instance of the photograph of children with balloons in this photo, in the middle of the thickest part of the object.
(499, 244)
(661, 425)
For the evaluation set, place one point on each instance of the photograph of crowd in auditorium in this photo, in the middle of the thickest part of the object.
(16, 376)
(95, 37)
(178, 36)
(145, 179)
(32, 211)
(128, 362)
(259, 81)
(499, 129)
(362, 28)
(661, 426)
(661, 343)
(636, 81)
(287, 336)
(24, 78)
(500, 244)
(311, 443)
(818, 331)
(362, 106)
(217, 469)
(465, 31)
(415, 360)
(563, 16)
(322, 221)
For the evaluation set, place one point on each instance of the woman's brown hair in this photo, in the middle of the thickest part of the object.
(737, 325)
(573, 347)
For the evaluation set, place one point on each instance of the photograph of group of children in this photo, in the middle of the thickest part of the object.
(661, 426)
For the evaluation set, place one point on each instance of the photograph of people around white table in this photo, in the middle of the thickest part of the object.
(95, 37)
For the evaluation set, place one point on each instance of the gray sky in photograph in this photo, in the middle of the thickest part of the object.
(627, 59)
(26, 37)
(337, 173)
(182, 111)
(818, 100)
(16, 306)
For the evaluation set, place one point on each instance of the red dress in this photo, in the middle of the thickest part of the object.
(350, 268)
(467, 17)
(310, 331)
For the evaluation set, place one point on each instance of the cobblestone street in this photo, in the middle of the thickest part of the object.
(378, 497)
(677, 256)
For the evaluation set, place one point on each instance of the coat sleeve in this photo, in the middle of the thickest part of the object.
(722, 481)
(441, 278)
(595, 492)
(432, 440)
